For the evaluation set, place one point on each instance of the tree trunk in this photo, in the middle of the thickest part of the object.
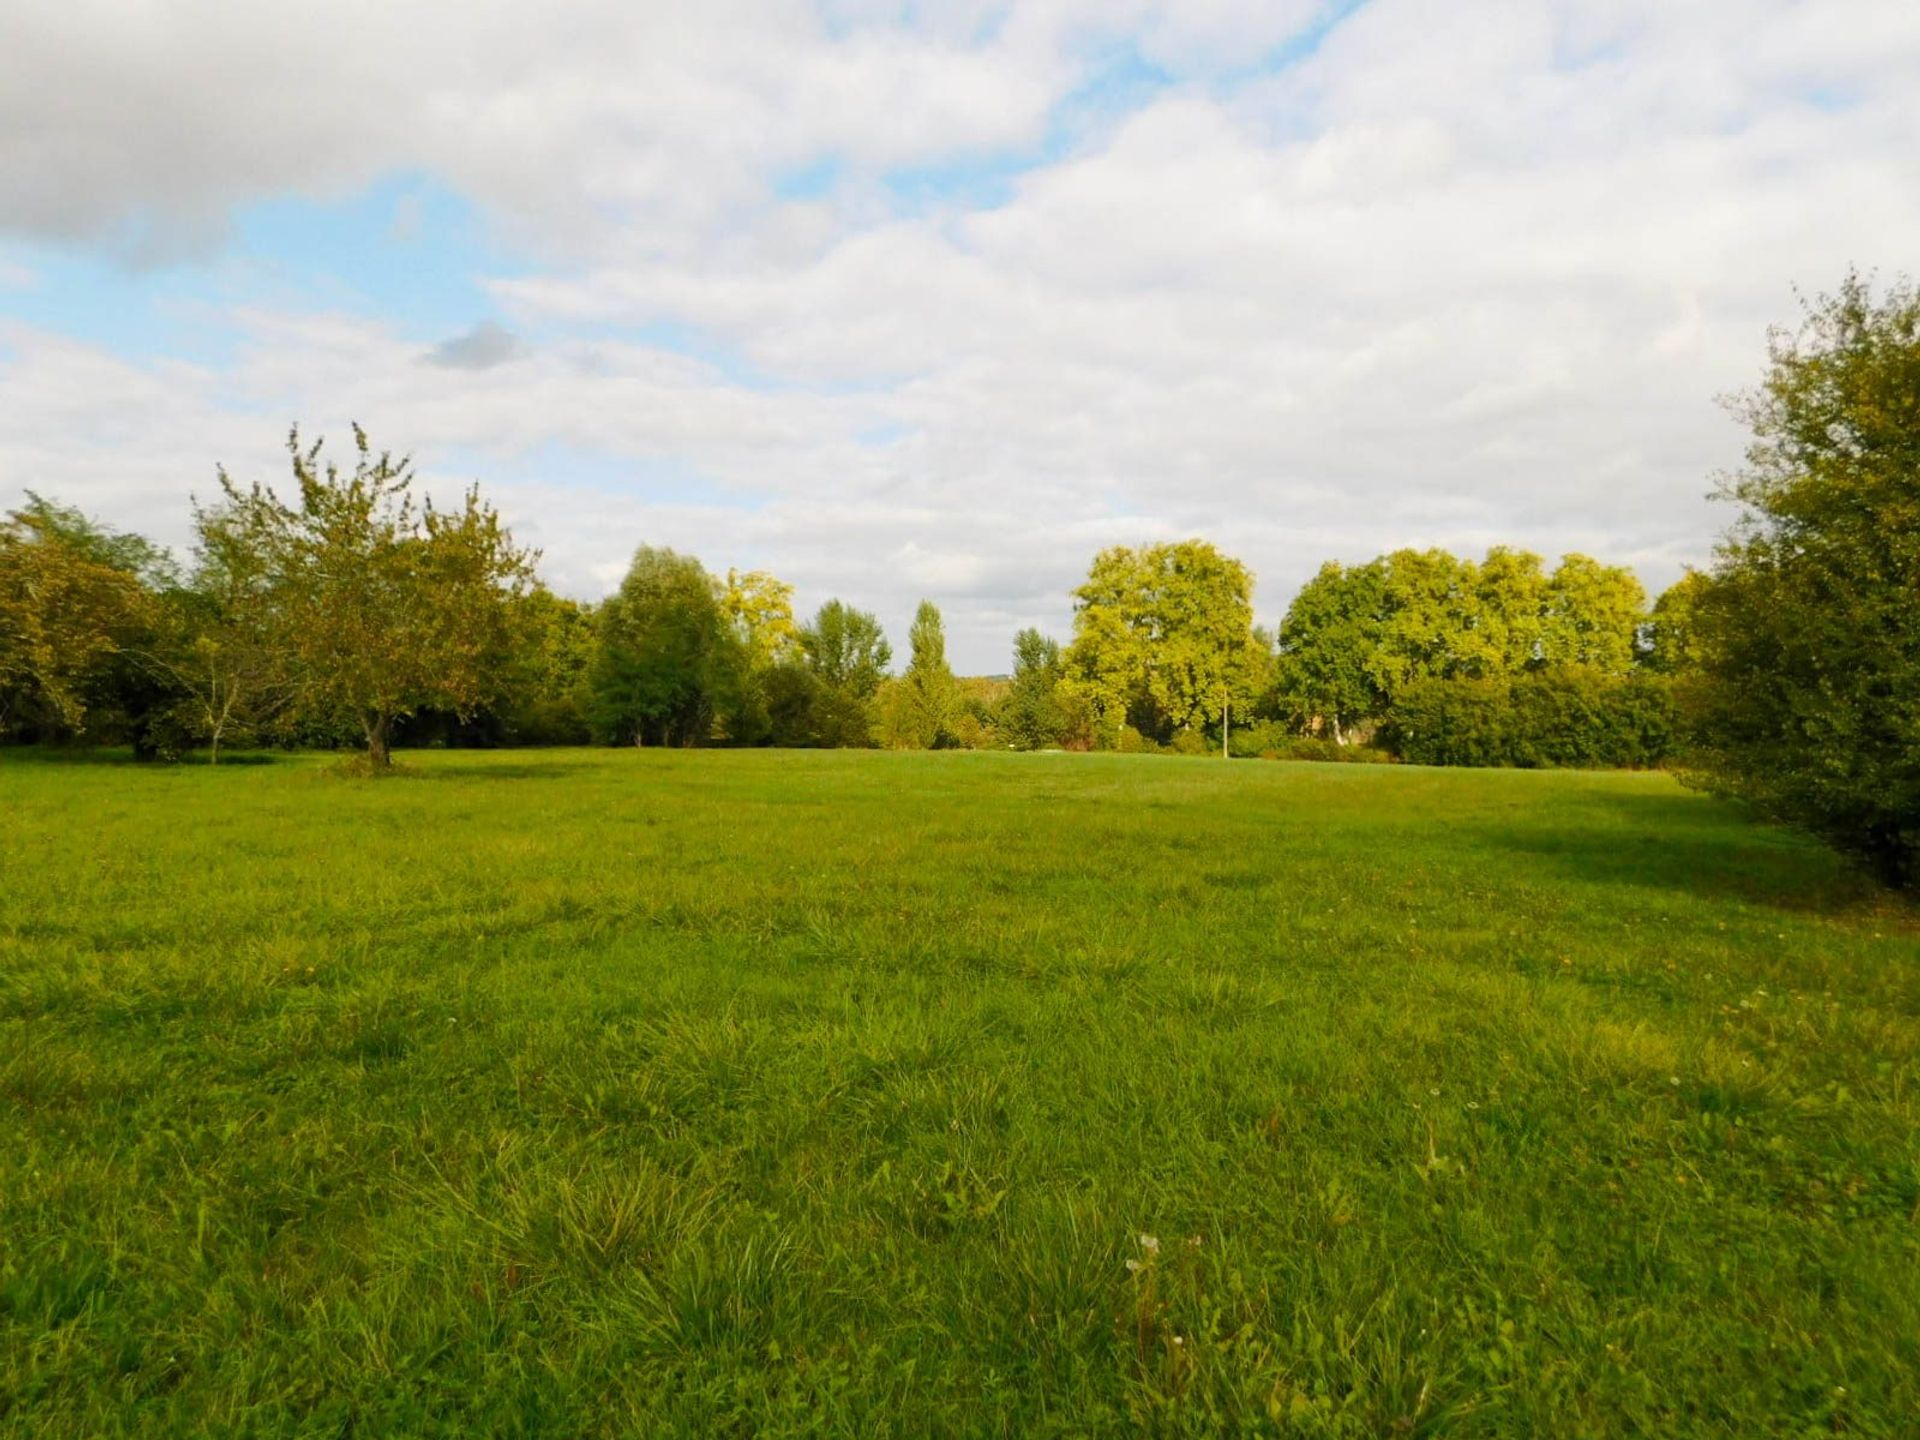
(213, 751)
(1226, 724)
(378, 756)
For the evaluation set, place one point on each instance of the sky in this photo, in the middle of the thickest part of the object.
(935, 300)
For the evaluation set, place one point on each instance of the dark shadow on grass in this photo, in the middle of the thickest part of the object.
(111, 757)
(1705, 847)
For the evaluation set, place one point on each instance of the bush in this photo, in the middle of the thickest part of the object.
(1806, 701)
(1571, 716)
(1453, 722)
(1319, 749)
(1193, 742)
(1130, 741)
(1263, 740)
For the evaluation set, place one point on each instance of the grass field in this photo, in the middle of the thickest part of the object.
(594, 1093)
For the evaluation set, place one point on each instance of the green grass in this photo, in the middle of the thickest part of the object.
(584, 1093)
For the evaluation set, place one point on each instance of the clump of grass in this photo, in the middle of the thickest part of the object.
(357, 766)
(707, 1093)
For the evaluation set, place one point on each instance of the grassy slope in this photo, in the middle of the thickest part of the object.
(612, 1092)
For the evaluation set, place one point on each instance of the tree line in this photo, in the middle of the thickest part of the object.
(350, 612)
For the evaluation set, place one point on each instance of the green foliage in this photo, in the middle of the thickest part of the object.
(1593, 616)
(72, 602)
(1670, 639)
(1807, 696)
(218, 646)
(1278, 740)
(1432, 645)
(1327, 671)
(603, 1093)
(1164, 640)
(1514, 607)
(1583, 716)
(379, 606)
(270, 639)
(549, 699)
(1463, 721)
(153, 566)
(792, 700)
(847, 655)
(759, 607)
(1034, 714)
(845, 648)
(666, 653)
(978, 725)
(1428, 621)
(923, 710)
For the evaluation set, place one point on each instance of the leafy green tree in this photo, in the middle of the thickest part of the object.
(847, 655)
(549, 697)
(1806, 698)
(666, 654)
(382, 606)
(847, 648)
(125, 697)
(68, 608)
(1511, 597)
(153, 566)
(761, 611)
(791, 697)
(1164, 635)
(220, 643)
(926, 705)
(1594, 615)
(1669, 642)
(1208, 659)
(1431, 615)
(1326, 674)
(760, 608)
(1032, 716)
(977, 726)
(1110, 657)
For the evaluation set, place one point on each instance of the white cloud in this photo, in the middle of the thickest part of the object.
(1469, 273)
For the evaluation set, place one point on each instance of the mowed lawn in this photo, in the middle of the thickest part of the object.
(723, 1093)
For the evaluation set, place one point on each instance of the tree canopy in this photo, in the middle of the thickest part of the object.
(1806, 698)
(846, 659)
(666, 652)
(1358, 638)
(71, 599)
(380, 604)
(926, 705)
(1164, 638)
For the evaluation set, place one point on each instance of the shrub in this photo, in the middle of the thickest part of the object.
(1560, 716)
(1129, 741)
(1325, 751)
(1263, 739)
(1806, 701)
(1193, 742)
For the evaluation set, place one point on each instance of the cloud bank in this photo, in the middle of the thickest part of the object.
(937, 303)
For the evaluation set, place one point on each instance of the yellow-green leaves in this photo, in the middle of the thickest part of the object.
(1164, 634)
